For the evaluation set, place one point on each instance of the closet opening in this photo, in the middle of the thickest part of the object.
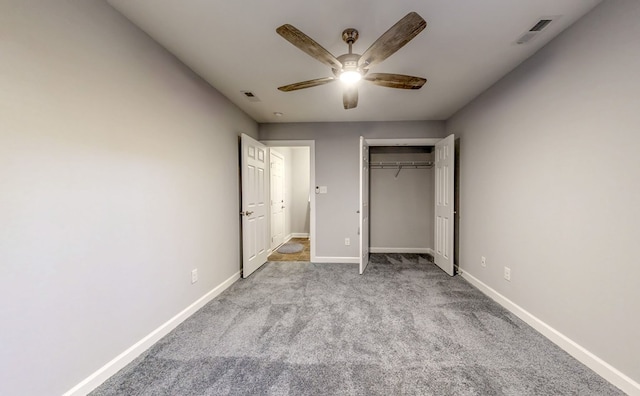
(408, 214)
(401, 199)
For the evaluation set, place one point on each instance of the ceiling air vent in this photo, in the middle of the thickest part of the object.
(251, 96)
(540, 25)
(534, 31)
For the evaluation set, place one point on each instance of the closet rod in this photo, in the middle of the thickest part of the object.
(400, 163)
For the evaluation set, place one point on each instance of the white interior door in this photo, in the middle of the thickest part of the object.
(444, 185)
(364, 204)
(277, 198)
(255, 236)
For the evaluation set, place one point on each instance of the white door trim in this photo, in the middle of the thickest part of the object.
(312, 183)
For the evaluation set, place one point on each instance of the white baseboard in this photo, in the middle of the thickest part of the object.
(341, 260)
(294, 235)
(590, 360)
(401, 250)
(120, 361)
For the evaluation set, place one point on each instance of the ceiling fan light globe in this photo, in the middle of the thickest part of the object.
(350, 77)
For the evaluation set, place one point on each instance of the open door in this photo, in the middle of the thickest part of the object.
(255, 234)
(364, 204)
(444, 190)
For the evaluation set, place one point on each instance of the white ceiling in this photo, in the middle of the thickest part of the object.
(466, 47)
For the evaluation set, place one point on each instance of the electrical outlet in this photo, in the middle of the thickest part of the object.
(347, 241)
(507, 273)
(194, 275)
(483, 261)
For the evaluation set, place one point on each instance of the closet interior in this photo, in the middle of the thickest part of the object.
(401, 199)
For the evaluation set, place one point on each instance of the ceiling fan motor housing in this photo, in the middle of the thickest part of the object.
(349, 63)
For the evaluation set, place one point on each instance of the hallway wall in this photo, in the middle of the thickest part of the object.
(300, 208)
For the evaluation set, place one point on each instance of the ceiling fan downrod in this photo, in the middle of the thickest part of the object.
(350, 36)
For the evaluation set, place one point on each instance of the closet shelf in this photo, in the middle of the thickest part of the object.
(401, 164)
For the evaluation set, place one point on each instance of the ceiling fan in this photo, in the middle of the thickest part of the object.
(350, 68)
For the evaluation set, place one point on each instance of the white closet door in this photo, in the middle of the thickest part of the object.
(444, 185)
(364, 204)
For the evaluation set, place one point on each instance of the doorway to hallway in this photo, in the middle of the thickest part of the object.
(292, 219)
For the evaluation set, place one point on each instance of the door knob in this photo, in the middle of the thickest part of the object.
(247, 213)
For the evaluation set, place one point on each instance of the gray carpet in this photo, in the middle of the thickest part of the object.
(290, 247)
(403, 328)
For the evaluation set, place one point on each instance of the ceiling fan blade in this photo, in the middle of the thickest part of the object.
(307, 84)
(308, 45)
(392, 40)
(396, 80)
(350, 97)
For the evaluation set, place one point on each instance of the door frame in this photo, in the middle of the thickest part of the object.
(363, 209)
(312, 183)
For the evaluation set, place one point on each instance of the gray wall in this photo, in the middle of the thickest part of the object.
(336, 146)
(300, 208)
(550, 187)
(402, 207)
(114, 184)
